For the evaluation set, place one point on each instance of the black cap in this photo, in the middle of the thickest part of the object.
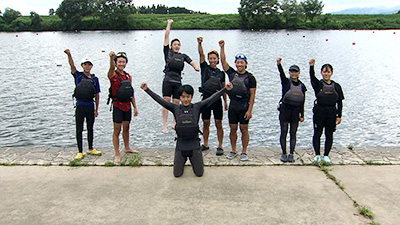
(295, 68)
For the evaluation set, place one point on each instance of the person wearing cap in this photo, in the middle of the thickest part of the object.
(174, 64)
(85, 108)
(327, 109)
(212, 80)
(122, 110)
(291, 108)
(241, 103)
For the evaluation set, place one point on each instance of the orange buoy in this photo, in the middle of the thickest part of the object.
(394, 32)
(354, 43)
(326, 39)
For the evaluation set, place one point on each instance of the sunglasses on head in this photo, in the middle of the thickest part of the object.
(240, 56)
(123, 54)
(213, 52)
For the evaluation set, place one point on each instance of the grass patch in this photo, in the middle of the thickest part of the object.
(330, 176)
(351, 147)
(77, 163)
(47, 164)
(109, 164)
(159, 163)
(370, 162)
(366, 212)
(135, 160)
(8, 164)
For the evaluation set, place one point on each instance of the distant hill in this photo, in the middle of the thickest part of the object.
(369, 10)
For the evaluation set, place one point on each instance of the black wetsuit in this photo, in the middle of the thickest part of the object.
(239, 106)
(325, 114)
(172, 80)
(216, 107)
(289, 114)
(195, 156)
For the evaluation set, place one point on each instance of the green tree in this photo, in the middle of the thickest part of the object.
(259, 13)
(36, 21)
(312, 8)
(291, 11)
(10, 15)
(71, 13)
(115, 12)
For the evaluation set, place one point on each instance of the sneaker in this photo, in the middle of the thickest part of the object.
(80, 156)
(317, 159)
(219, 151)
(327, 159)
(203, 148)
(291, 158)
(244, 157)
(232, 155)
(93, 152)
(284, 158)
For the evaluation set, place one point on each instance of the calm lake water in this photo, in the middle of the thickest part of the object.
(36, 107)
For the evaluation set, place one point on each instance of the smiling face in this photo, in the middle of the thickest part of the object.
(213, 60)
(326, 73)
(294, 75)
(121, 63)
(87, 66)
(176, 46)
(186, 99)
(241, 65)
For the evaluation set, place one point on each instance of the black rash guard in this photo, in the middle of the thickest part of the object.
(317, 86)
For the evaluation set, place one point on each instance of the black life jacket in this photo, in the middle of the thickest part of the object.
(213, 84)
(85, 90)
(125, 91)
(186, 127)
(175, 62)
(241, 88)
(328, 95)
(294, 96)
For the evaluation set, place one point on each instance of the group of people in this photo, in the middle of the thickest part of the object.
(241, 90)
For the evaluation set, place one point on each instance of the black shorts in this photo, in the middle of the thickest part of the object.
(289, 115)
(171, 89)
(324, 117)
(236, 115)
(119, 115)
(216, 107)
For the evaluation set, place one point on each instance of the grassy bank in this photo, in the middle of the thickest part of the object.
(206, 21)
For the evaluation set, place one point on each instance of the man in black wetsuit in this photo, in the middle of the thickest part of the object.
(174, 64)
(187, 128)
(291, 108)
(327, 109)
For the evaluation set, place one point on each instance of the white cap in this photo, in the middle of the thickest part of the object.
(86, 59)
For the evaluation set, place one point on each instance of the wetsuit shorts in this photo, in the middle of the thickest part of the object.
(236, 115)
(216, 107)
(119, 115)
(324, 117)
(171, 89)
(289, 115)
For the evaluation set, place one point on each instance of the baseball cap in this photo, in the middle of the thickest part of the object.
(86, 59)
(295, 68)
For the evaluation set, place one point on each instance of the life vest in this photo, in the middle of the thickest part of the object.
(186, 127)
(85, 90)
(125, 91)
(294, 96)
(327, 96)
(175, 62)
(213, 84)
(240, 90)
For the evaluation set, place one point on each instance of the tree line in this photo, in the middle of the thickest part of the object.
(253, 14)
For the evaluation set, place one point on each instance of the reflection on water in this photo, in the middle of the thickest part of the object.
(37, 107)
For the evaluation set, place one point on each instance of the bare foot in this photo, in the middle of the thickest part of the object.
(131, 151)
(165, 130)
(117, 159)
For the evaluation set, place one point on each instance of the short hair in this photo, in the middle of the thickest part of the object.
(186, 88)
(175, 39)
(326, 66)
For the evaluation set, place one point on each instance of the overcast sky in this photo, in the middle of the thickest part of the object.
(211, 6)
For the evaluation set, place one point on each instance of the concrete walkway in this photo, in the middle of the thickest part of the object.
(157, 157)
(265, 194)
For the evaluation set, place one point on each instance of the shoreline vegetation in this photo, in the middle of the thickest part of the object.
(205, 21)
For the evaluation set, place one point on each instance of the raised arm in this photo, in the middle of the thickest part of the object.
(281, 71)
(210, 100)
(201, 51)
(168, 105)
(167, 30)
(225, 64)
(70, 61)
(111, 72)
(314, 80)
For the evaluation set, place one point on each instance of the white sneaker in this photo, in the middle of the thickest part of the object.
(317, 159)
